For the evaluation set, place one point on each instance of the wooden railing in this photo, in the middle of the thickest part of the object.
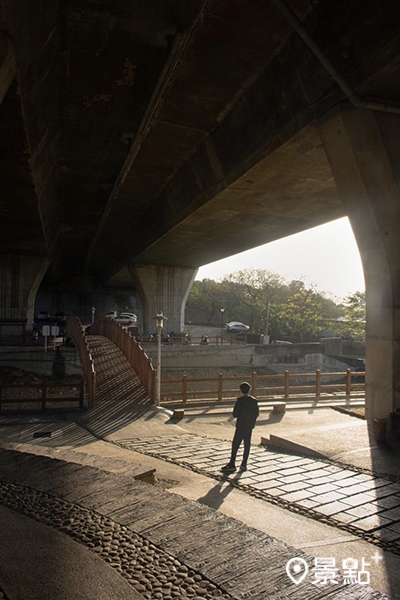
(199, 340)
(42, 396)
(262, 386)
(131, 349)
(75, 330)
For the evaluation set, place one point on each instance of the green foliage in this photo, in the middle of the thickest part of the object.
(269, 304)
(354, 317)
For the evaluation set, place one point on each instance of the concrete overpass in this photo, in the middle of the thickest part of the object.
(140, 140)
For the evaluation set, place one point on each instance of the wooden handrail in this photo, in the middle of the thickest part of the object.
(43, 398)
(193, 340)
(218, 390)
(131, 349)
(75, 330)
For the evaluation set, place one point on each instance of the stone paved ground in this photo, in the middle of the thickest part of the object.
(360, 502)
(165, 546)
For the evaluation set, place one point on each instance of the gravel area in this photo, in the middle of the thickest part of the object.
(152, 572)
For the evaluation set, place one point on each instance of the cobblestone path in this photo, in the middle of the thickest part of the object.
(360, 502)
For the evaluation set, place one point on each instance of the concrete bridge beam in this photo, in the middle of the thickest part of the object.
(20, 277)
(363, 149)
(7, 64)
(163, 289)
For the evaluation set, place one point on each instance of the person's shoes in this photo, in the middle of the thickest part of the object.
(242, 468)
(229, 469)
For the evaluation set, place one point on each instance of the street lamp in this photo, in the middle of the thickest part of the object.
(222, 324)
(160, 323)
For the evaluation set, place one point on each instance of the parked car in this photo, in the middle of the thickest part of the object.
(43, 315)
(282, 343)
(128, 315)
(236, 327)
(61, 324)
(126, 321)
(60, 315)
(112, 314)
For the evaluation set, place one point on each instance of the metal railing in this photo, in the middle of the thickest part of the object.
(197, 340)
(75, 330)
(131, 349)
(262, 386)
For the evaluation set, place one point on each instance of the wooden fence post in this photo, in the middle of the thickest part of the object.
(348, 382)
(286, 384)
(184, 388)
(254, 383)
(220, 384)
(44, 390)
(318, 383)
(81, 387)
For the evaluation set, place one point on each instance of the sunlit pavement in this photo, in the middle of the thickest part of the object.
(282, 506)
(344, 497)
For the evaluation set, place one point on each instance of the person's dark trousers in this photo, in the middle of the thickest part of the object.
(240, 436)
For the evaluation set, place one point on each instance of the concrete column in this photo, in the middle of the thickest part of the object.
(163, 289)
(363, 149)
(20, 277)
(7, 64)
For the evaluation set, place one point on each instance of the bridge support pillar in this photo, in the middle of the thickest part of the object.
(163, 289)
(7, 64)
(20, 277)
(363, 148)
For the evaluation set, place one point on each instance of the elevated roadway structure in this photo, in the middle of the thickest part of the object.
(141, 140)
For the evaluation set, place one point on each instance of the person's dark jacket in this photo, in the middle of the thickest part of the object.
(246, 412)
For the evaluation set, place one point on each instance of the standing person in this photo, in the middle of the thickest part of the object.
(246, 412)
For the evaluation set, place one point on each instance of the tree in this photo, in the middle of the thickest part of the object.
(303, 314)
(269, 304)
(204, 300)
(354, 316)
(253, 292)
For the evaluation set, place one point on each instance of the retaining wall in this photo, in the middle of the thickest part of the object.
(36, 360)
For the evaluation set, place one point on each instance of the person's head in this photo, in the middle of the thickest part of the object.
(244, 387)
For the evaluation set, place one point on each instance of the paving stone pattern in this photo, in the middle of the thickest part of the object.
(359, 502)
(167, 547)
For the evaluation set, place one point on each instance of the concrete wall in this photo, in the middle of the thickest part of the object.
(36, 360)
(299, 358)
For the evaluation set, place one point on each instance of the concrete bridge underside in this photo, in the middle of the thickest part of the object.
(141, 140)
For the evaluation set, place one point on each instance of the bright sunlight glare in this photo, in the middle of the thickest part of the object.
(325, 257)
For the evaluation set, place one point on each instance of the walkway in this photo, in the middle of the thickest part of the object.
(165, 546)
(347, 498)
(74, 482)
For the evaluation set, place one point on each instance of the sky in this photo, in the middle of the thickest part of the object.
(325, 257)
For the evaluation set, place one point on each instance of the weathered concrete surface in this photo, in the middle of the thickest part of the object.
(297, 358)
(181, 109)
(169, 521)
(41, 563)
(7, 64)
(363, 150)
(163, 289)
(36, 360)
(21, 277)
(334, 431)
